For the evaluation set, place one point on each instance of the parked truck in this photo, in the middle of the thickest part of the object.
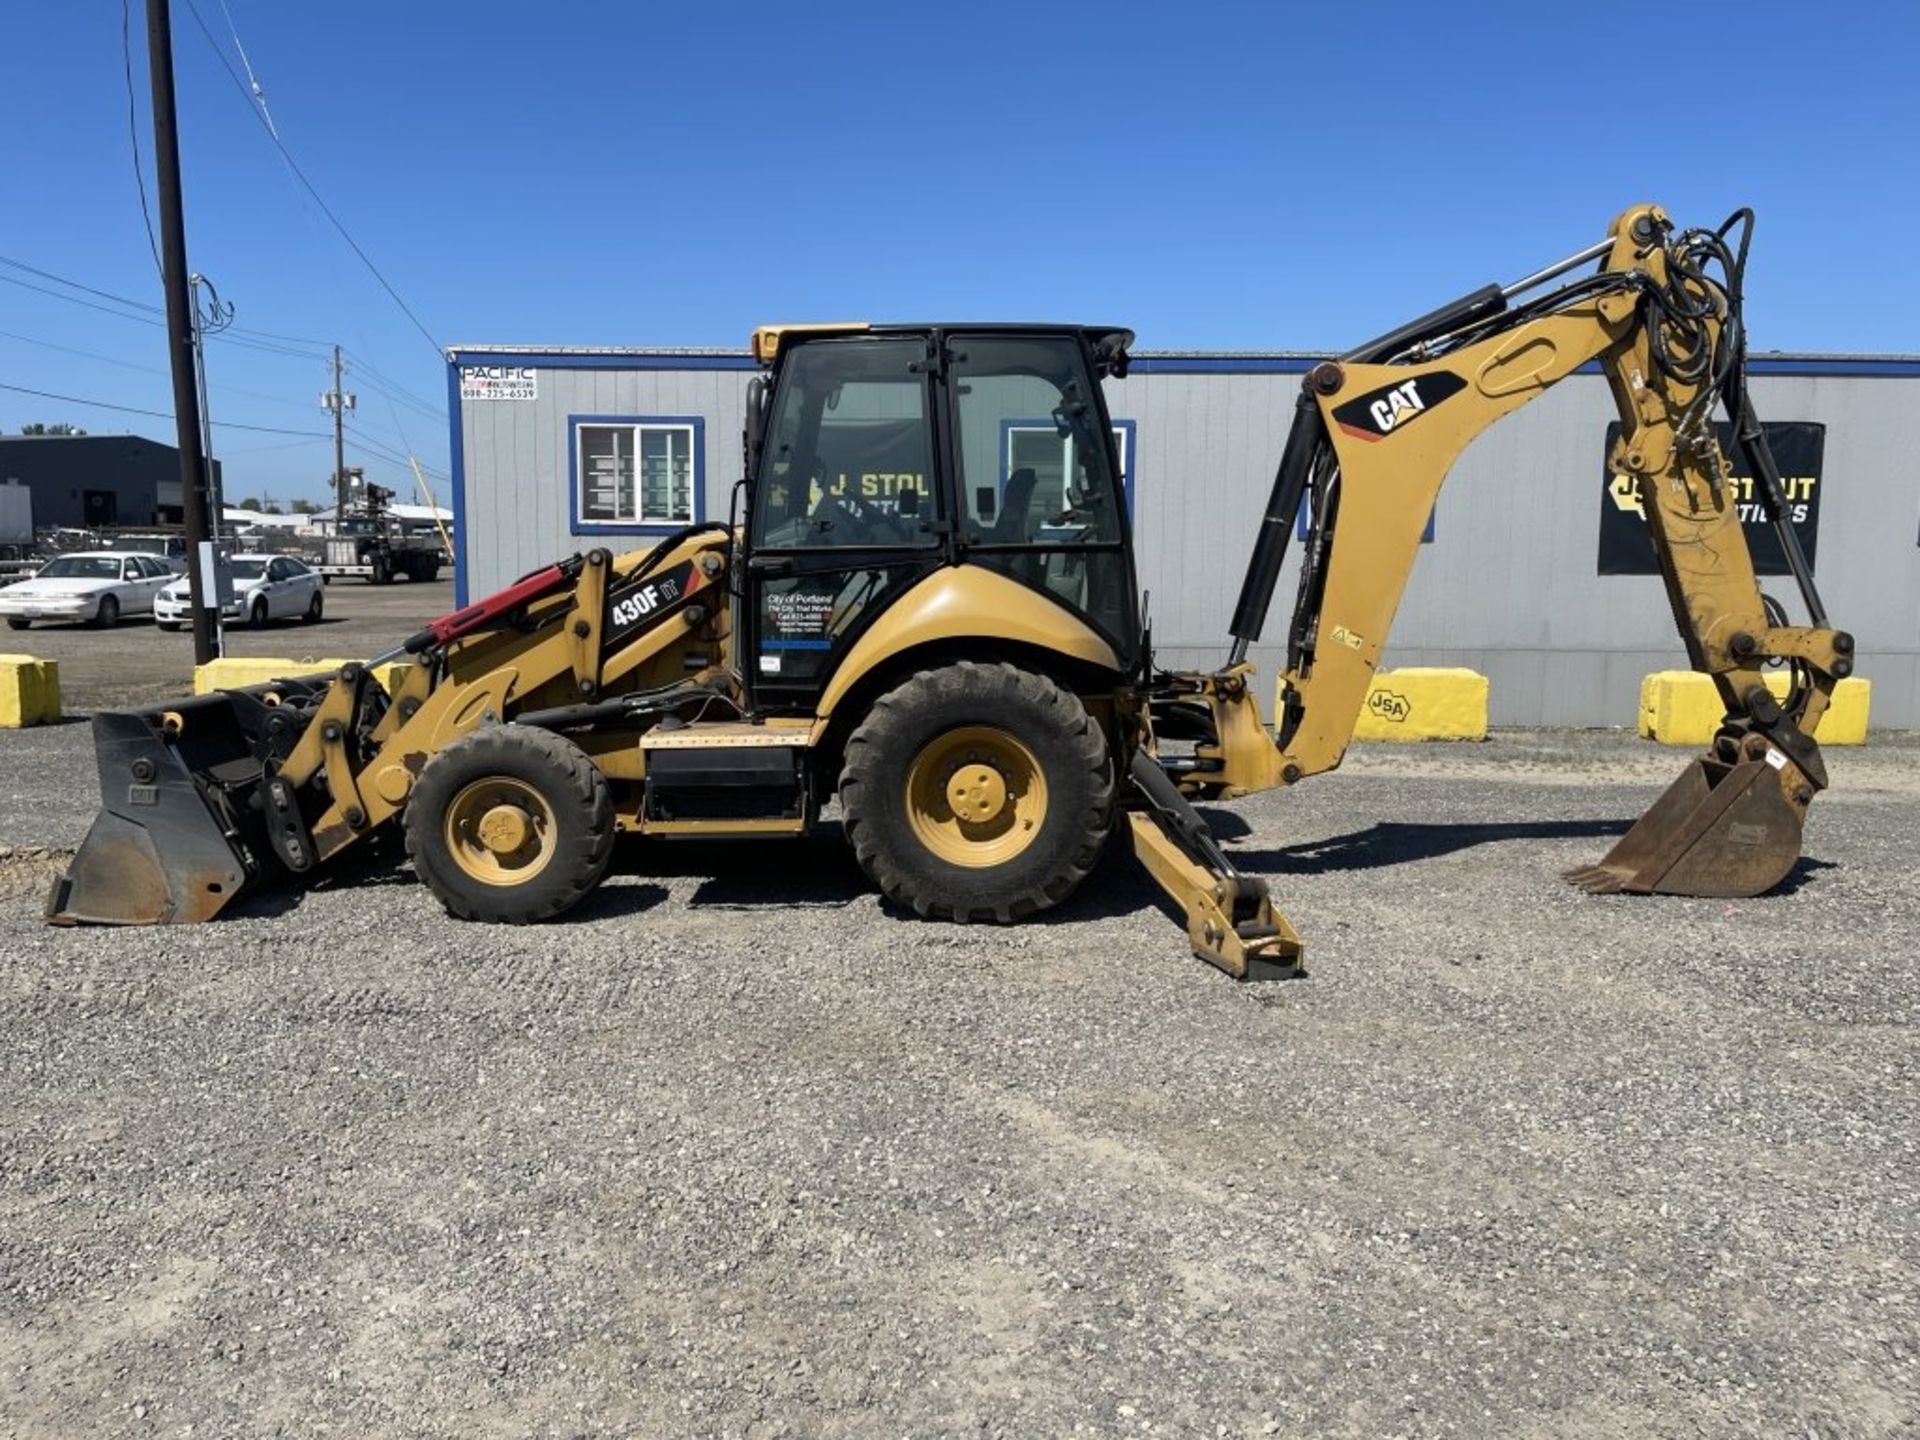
(376, 546)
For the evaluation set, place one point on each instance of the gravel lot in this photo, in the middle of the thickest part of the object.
(136, 662)
(736, 1151)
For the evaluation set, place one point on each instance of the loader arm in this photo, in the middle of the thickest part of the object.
(207, 798)
(1373, 438)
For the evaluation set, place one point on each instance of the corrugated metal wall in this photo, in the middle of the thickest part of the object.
(1508, 586)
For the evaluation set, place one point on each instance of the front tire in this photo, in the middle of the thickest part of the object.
(978, 792)
(510, 825)
(314, 608)
(257, 615)
(13, 624)
(168, 624)
(108, 615)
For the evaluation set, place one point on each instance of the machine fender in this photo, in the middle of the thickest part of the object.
(966, 602)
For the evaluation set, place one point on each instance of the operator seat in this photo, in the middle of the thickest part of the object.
(1016, 500)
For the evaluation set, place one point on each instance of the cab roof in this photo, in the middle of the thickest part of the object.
(768, 339)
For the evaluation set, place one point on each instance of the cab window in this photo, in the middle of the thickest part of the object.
(848, 459)
(1039, 497)
(1034, 458)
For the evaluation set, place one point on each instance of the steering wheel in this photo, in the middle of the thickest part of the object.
(853, 521)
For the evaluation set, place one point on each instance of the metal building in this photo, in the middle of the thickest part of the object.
(95, 482)
(558, 449)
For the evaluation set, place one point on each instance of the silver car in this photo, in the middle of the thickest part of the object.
(265, 587)
(94, 587)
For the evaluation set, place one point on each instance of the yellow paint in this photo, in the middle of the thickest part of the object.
(1681, 707)
(29, 691)
(236, 672)
(767, 339)
(967, 602)
(1421, 703)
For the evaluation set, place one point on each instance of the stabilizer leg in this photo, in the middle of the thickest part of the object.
(1231, 921)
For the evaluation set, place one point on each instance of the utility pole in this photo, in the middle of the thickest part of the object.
(205, 310)
(173, 269)
(339, 402)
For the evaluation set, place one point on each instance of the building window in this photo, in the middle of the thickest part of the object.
(636, 472)
(1039, 446)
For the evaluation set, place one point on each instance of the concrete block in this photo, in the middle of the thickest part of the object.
(1424, 704)
(238, 671)
(29, 691)
(1681, 707)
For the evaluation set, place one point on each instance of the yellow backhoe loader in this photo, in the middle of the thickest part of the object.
(958, 654)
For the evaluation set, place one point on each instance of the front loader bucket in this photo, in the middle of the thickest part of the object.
(1724, 829)
(178, 836)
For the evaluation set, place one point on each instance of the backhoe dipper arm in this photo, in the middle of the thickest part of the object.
(1373, 438)
(1660, 330)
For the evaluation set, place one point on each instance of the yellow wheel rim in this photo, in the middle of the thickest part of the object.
(976, 796)
(499, 831)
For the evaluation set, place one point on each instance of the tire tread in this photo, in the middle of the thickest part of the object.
(956, 685)
(584, 783)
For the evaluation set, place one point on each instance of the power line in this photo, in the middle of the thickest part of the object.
(245, 342)
(133, 133)
(76, 285)
(84, 354)
(395, 388)
(76, 300)
(388, 453)
(259, 94)
(237, 330)
(156, 414)
(300, 175)
(282, 445)
(147, 369)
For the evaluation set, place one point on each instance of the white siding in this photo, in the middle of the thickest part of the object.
(1508, 587)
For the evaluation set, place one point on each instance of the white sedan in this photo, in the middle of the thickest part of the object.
(265, 587)
(94, 586)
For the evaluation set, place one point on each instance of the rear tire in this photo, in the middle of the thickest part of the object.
(1012, 743)
(510, 825)
(108, 615)
(382, 573)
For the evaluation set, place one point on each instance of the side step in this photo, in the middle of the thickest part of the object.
(725, 780)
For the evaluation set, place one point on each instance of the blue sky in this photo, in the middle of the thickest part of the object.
(1232, 177)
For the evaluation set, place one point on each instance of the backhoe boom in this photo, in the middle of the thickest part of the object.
(1373, 439)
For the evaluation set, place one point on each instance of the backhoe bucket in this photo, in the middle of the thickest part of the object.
(1724, 829)
(179, 834)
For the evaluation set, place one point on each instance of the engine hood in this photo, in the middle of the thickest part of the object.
(56, 589)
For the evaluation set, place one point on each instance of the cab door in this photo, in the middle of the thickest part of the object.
(847, 509)
(1040, 493)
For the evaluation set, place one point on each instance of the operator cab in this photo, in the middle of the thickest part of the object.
(884, 453)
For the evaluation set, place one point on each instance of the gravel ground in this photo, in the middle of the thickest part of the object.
(135, 662)
(736, 1151)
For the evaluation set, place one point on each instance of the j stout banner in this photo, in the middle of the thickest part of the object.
(1797, 447)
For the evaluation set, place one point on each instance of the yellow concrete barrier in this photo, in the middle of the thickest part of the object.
(1681, 707)
(29, 691)
(1422, 703)
(237, 671)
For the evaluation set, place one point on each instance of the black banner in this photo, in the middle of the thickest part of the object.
(1797, 445)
